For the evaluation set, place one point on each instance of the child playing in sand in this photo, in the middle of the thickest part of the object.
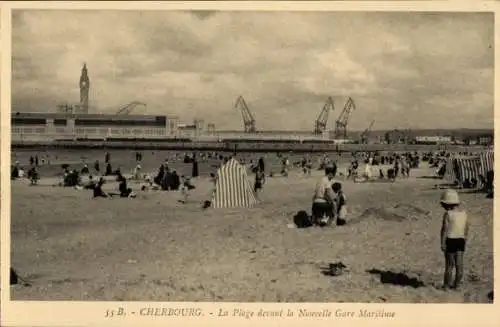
(185, 187)
(454, 232)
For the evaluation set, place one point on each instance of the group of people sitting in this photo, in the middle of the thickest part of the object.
(72, 178)
(18, 172)
(167, 179)
(401, 166)
(123, 190)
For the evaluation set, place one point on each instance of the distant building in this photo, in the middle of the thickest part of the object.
(53, 126)
(486, 140)
(433, 139)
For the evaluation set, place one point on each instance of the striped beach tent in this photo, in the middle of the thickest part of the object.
(460, 169)
(449, 175)
(487, 163)
(468, 169)
(232, 189)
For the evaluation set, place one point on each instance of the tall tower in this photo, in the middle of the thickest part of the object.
(84, 90)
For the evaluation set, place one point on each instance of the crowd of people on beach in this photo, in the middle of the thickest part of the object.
(329, 203)
(389, 166)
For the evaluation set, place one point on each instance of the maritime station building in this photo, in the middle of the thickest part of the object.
(63, 126)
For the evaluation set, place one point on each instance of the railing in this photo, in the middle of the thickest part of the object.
(146, 137)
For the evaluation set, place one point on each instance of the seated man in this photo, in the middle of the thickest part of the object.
(15, 173)
(34, 176)
(125, 191)
(391, 174)
(323, 199)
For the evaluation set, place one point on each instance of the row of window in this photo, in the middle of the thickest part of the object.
(96, 131)
(119, 131)
(41, 129)
(28, 130)
(158, 121)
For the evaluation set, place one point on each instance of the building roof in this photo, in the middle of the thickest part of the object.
(56, 115)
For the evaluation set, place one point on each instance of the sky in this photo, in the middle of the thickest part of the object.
(402, 69)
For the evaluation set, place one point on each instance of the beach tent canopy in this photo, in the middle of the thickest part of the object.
(232, 189)
(462, 168)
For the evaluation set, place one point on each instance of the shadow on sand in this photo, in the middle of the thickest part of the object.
(429, 177)
(400, 279)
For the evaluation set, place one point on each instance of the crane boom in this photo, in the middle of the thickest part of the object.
(126, 109)
(364, 135)
(248, 119)
(322, 120)
(341, 122)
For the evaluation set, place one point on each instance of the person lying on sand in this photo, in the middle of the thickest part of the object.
(98, 192)
(324, 199)
(454, 234)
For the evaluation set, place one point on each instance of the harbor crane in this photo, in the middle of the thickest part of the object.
(322, 120)
(127, 109)
(341, 122)
(366, 133)
(248, 119)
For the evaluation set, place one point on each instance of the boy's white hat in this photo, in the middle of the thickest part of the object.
(450, 197)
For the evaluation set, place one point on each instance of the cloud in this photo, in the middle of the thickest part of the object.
(405, 70)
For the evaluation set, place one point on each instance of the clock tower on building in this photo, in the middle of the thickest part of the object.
(84, 90)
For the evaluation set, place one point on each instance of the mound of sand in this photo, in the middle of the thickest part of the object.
(398, 212)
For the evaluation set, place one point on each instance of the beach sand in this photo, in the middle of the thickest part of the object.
(153, 248)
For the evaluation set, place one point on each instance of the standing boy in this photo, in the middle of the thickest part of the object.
(454, 233)
(259, 181)
(340, 204)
